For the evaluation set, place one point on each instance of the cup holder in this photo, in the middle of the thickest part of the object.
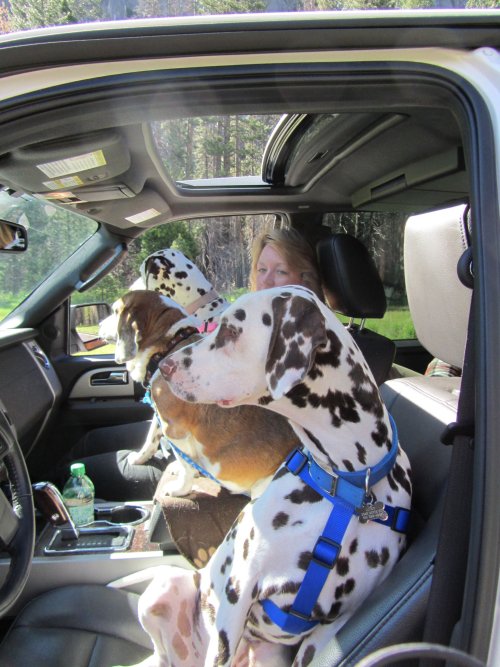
(130, 515)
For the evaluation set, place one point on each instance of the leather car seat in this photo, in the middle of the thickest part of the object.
(422, 407)
(353, 287)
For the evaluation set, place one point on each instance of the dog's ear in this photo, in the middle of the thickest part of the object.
(298, 330)
(127, 339)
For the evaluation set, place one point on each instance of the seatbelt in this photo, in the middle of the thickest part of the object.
(447, 589)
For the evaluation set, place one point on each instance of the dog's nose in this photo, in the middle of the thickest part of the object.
(167, 367)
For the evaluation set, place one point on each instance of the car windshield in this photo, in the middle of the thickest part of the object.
(54, 233)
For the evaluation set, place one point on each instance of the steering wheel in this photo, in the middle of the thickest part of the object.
(17, 517)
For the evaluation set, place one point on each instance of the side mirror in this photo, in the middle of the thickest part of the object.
(13, 237)
(85, 320)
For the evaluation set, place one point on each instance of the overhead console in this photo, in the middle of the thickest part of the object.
(422, 182)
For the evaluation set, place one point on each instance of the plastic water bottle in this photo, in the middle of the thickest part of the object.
(78, 495)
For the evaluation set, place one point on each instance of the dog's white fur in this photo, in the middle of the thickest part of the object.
(304, 365)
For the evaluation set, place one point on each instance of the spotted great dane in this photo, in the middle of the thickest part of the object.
(279, 586)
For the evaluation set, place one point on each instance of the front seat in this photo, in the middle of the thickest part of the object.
(353, 287)
(77, 626)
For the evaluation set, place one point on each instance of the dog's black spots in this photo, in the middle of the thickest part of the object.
(232, 591)
(246, 546)
(342, 566)
(223, 649)
(290, 587)
(190, 398)
(372, 558)
(345, 589)
(295, 357)
(265, 400)
(369, 400)
(358, 375)
(401, 478)
(392, 483)
(187, 351)
(384, 556)
(348, 465)
(315, 372)
(187, 361)
(227, 333)
(226, 564)
(255, 592)
(341, 406)
(304, 560)
(361, 452)
(240, 315)
(308, 656)
(289, 329)
(252, 533)
(318, 444)
(299, 395)
(380, 435)
(329, 355)
(350, 585)
(280, 520)
(201, 291)
(304, 495)
(277, 348)
(267, 320)
(181, 275)
(334, 611)
(353, 547)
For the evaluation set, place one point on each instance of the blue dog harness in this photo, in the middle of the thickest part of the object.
(349, 493)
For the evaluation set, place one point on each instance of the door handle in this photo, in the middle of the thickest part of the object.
(109, 378)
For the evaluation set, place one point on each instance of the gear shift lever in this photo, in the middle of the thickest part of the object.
(50, 503)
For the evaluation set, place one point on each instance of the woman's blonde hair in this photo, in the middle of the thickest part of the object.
(297, 253)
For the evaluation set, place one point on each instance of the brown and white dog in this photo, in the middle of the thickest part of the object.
(170, 272)
(242, 448)
(304, 365)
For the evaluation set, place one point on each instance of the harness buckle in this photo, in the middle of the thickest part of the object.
(326, 552)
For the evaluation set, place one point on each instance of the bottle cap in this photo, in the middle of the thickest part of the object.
(77, 469)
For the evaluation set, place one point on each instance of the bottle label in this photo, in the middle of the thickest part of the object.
(82, 514)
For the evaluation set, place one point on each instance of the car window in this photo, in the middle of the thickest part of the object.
(54, 233)
(221, 248)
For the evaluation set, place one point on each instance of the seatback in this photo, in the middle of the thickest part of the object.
(353, 288)
(421, 407)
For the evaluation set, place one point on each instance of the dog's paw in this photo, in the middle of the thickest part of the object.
(177, 480)
(136, 458)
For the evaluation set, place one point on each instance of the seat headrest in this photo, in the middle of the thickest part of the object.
(350, 275)
(439, 303)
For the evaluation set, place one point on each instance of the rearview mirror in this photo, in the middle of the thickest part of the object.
(13, 237)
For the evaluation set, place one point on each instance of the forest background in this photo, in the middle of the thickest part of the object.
(207, 147)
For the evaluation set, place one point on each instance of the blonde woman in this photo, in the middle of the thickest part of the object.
(284, 257)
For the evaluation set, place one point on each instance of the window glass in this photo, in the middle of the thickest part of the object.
(220, 247)
(54, 233)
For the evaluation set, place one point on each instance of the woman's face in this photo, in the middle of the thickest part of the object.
(273, 271)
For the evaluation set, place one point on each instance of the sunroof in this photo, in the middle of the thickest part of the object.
(213, 147)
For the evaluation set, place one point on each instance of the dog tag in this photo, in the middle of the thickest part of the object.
(371, 512)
